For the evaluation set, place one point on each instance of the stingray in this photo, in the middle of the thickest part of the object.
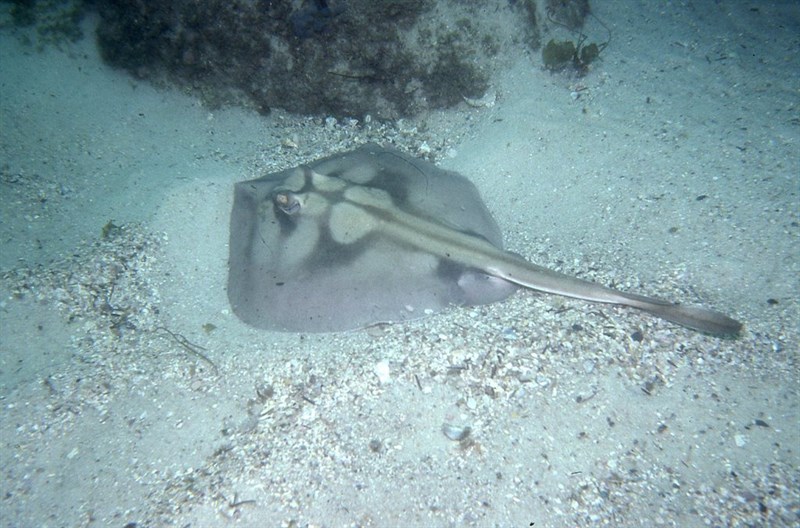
(375, 236)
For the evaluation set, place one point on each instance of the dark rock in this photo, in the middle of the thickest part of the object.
(344, 58)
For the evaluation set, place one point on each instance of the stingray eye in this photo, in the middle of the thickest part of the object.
(288, 202)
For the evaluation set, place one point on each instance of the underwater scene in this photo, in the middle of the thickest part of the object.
(381, 263)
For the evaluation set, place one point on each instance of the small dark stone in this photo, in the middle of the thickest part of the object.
(772, 302)
(701, 197)
(557, 55)
(637, 336)
(375, 445)
(761, 423)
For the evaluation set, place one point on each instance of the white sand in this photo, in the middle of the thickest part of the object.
(109, 421)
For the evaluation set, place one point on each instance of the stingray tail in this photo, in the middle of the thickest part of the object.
(543, 279)
(694, 317)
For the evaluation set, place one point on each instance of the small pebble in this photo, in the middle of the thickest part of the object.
(525, 375)
(509, 334)
(456, 433)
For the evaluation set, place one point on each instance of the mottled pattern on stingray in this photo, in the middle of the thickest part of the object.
(312, 250)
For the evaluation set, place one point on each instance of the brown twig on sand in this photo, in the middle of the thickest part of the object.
(189, 346)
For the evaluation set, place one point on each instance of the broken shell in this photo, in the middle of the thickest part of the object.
(383, 371)
(290, 142)
(455, 432)
(487, 101)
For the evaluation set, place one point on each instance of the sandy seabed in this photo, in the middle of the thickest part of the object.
(131, 396)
